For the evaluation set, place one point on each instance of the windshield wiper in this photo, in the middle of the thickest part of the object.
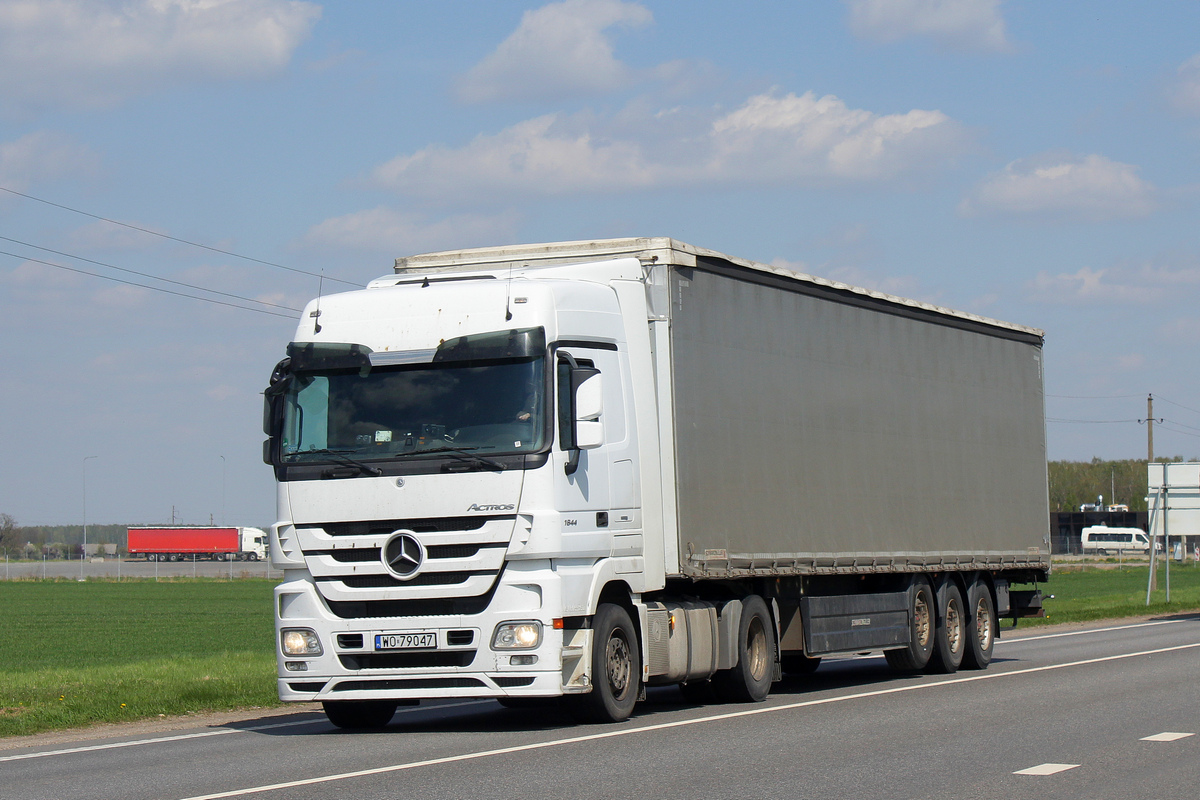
(463, 454)
(341, 457)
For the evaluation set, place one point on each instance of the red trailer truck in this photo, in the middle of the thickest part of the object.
(218, 544)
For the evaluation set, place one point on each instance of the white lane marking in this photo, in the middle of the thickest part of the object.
(1035, 638)
(1168, 736)
(676, 724)
(217, 732)
(1046, 769)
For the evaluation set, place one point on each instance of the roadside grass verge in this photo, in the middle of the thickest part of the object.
(1086, 593)
(76, 653)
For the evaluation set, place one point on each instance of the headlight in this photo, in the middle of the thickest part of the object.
(524, 635)
(299, 642)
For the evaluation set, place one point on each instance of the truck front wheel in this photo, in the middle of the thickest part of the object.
(616, 667)
(749, 681)
(359, 714)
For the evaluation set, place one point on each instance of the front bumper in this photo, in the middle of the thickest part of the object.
(463, 663)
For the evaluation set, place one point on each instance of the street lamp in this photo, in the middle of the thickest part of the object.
(83, 555)
(222, 489)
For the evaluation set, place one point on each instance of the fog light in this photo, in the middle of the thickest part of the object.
(523, 635)
(522, 661)
(296, 666)
(300, 642)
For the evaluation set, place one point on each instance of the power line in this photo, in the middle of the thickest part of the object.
(1181, 405)
(173, 238)
(145, 286)
(1091, 421)
(147, 275)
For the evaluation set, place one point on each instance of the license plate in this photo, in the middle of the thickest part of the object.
(405, 641)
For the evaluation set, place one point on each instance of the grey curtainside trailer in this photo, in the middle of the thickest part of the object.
(820, 429)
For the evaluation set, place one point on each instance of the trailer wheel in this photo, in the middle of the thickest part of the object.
(921, 617)
(359, 714)
(173, 557)
(951, 638)
(981, 627)
(616, 668)
(749, 681)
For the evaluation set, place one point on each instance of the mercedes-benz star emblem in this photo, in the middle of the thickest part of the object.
(403, 556)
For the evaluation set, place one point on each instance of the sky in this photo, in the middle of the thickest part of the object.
(1033, 162)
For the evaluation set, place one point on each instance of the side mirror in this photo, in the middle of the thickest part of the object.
(580, 404)
(273, 407)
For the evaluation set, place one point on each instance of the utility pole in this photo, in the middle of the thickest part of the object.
(1149, 428)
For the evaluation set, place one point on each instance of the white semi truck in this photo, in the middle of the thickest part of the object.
(579, 469)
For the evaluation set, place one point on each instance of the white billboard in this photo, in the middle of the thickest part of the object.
(1174, 499)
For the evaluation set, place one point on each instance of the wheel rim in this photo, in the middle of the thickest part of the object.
(953, 626)
(756, 649)
(921, 620)
(983, 624)
(619, 664)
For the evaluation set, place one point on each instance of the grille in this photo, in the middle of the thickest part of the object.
(437, 607)
(431, 658)
(463, 560)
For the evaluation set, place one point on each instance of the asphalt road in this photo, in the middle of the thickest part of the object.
(1103, 712)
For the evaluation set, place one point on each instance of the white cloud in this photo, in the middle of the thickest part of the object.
(776, 139)
(560, 50)
(1088, 286)
(770, 140)
(1185, 93)
(42, 155)
(96, 53)
(955, 24)
(397, 233)
(547, 155)
(1055, 186)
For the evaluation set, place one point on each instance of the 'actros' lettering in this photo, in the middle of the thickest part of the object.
(490, 507)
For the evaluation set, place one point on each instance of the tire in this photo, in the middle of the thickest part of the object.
(951, 638)
(218, 556)
(359, 714)
(173, 557)
(799, 664)
(982, 626)
(750, 679)
(921, 616)
(253, 556)
(616, 668)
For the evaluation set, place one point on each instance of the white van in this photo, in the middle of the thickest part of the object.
(1102, 540)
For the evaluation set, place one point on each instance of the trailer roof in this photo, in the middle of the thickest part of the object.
(661, 250)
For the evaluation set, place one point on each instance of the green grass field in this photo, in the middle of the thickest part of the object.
(1088, 593)
(74, 653)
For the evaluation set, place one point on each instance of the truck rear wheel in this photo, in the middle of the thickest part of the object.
(616, 668)
(921, 619)
(981, 627)
(749, 681)
(359, 714)
(950, 640)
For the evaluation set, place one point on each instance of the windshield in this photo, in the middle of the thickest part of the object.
(494, 407)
